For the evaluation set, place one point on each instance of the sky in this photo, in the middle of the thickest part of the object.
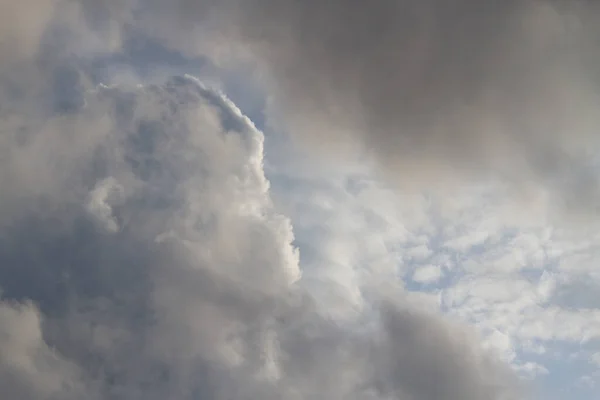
(299, 200)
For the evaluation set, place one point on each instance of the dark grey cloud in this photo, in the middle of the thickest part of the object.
(434, 90)
(434, 87)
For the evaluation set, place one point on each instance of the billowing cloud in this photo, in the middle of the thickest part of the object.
(141, 257)
(141, 254)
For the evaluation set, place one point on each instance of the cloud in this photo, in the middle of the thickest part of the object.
(437, 93)
(29, 369)
(526, 285)
(183, 201)
(427, 274)
(141, 256)
(22, 26)
(99, 203)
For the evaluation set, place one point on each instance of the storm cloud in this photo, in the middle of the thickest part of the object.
(432, 90)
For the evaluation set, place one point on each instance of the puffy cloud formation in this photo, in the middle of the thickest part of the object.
(141, 257)
(141, 254)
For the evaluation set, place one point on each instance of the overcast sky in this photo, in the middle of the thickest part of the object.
(299, 200)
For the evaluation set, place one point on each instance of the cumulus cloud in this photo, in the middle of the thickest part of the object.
(141, 256)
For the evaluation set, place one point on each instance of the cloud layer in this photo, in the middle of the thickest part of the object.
(434, 91)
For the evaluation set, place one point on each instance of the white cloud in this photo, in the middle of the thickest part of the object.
(176, 176)
(101, 197)
(427, 274)
(513, 278)
(198, 289)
